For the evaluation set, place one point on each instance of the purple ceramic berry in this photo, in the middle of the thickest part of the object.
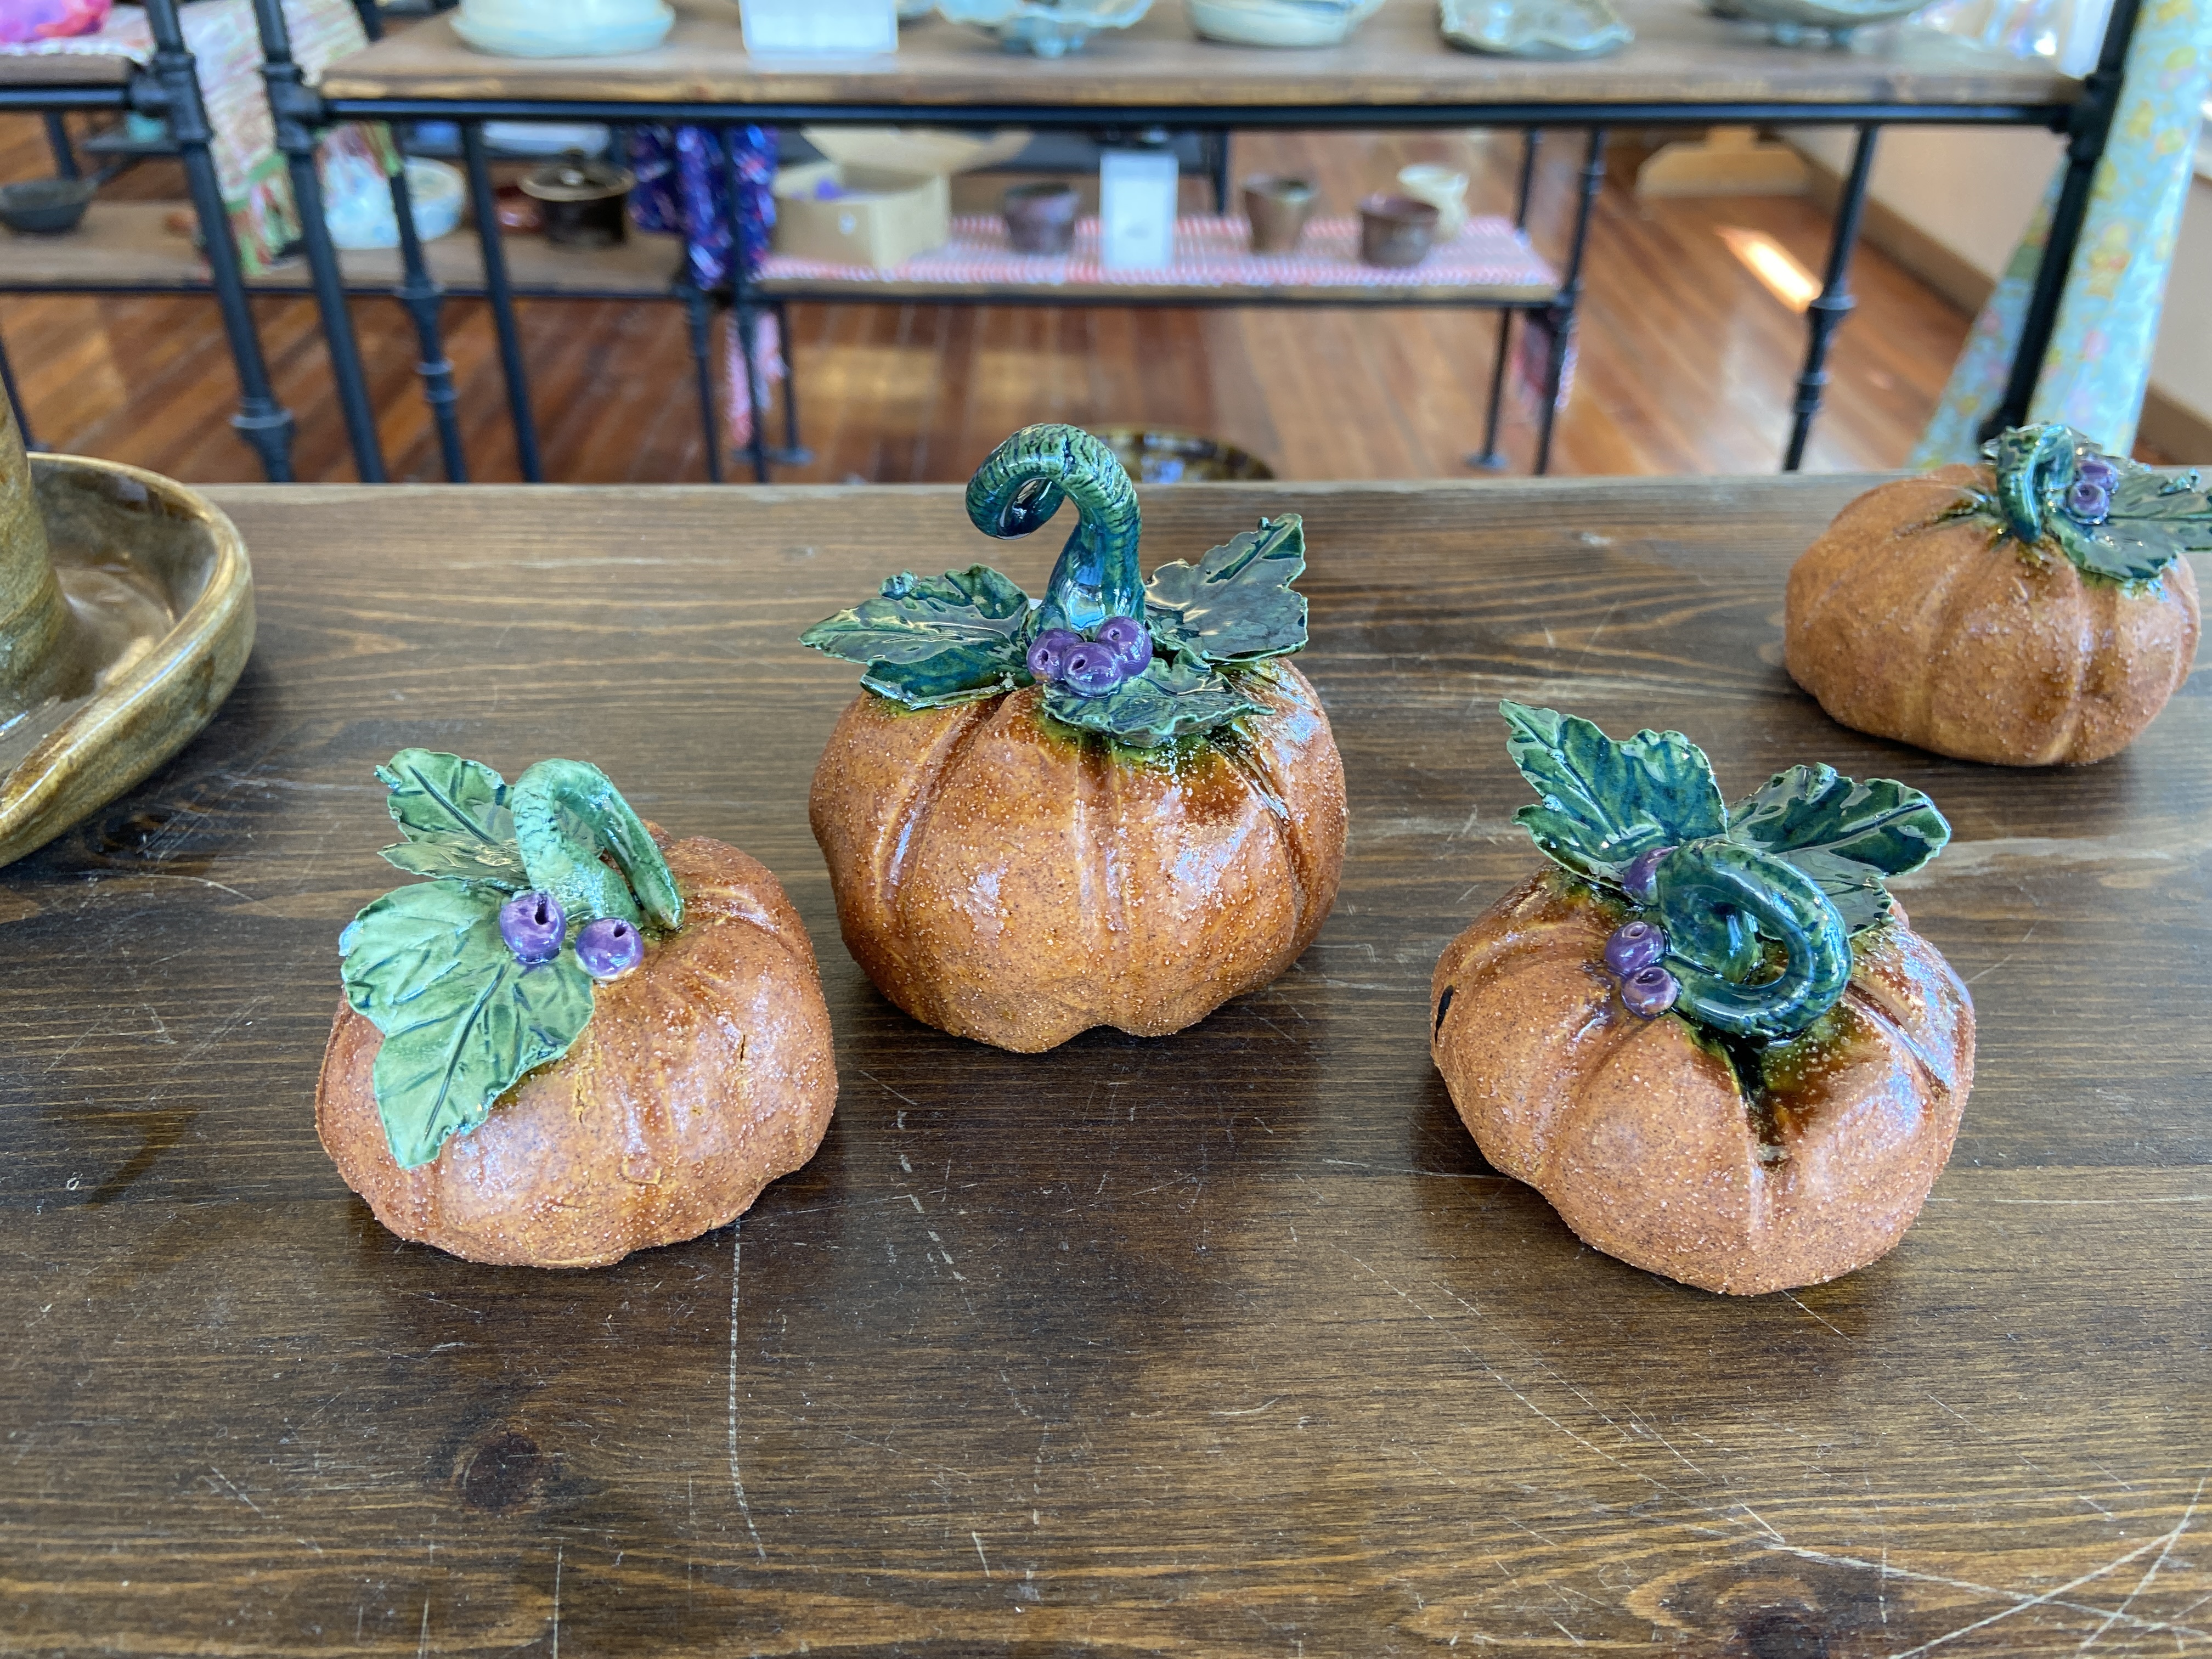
(609, 948)
(1093, 669)
(1634, 946)
(2096, 470)
(1641, 877)
(1650, 992)
(533, 926)
(1131, 642)
(1048, 652)
(2092, 503)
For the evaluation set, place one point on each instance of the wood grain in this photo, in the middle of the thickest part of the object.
(1396, 58)
(1221, 1344)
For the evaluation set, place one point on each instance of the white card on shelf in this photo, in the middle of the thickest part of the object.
(820, 28)
(1137, 209)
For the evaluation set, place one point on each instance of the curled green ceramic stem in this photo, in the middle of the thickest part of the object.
(1716, 897)
(2027, 458)
(566, 814)
(1022, 485)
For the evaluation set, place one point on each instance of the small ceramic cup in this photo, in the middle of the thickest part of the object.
(1397, 231)
(1277, 208)
(1442, 188)
(1041, 218)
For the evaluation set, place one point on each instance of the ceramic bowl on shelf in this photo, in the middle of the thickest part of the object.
(1534, 28)
(1814, 23)
(1046, 29)
(46, 207)
(1278, 22)
(574, 29)
(357, 203)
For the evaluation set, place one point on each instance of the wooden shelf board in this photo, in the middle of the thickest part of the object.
(1396, 59)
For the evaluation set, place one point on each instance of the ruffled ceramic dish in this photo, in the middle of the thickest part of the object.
(1279, 22)
(1707, 1034)
(1120, 805)
(1814, 23)
(126, 613)
(1045, 30)
(1534, 28)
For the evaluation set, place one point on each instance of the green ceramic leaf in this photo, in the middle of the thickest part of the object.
(439, 797)
(1237, 603)
(2154, 519)
(1846, 834)
(450, 858)
(1174, 697)
(462, 1019)
(934, 640)
(1604, 802)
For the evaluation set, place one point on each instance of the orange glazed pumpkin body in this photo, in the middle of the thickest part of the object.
(1640, 1132)
(1007, 879)
(1948, 633)
(702, 1075)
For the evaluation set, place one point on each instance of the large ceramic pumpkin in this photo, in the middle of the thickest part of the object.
(2032, 611)
(551, 1058)
(1117, 806)
(1707, 1035)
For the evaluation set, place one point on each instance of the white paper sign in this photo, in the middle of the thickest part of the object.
(1137, 209)
(820, 28)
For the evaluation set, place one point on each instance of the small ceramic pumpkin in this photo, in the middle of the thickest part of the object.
(1708, 1036)
(2034, 611)
(578, 1039)
(1117, 806)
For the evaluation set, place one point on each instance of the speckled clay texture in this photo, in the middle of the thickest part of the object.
(1639, 1132)
(1005, 880)
(1943, 635)
(703, 1076)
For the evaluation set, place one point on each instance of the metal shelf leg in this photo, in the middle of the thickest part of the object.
(261, 421)
(698, 312)
(15, 398)
(501, 292)
(1562, 312)
(1826, 313)
(420, 292)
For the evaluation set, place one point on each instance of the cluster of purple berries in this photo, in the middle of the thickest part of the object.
(533, 925)
(1120, 650)
(2089, 497)
(1647, 990)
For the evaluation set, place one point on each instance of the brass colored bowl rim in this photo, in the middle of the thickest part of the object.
(42, 774)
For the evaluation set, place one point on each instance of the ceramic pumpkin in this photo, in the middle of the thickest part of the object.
(2032, 611)
(1119, 806)
(1707, 1034)
(576, 1040)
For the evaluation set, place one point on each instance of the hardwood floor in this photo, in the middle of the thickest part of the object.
(1686, 361)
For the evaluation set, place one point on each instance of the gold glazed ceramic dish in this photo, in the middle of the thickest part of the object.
(159, 619)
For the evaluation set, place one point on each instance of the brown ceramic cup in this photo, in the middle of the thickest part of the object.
(1041, 218)
(1396, 231)
(1276, 208)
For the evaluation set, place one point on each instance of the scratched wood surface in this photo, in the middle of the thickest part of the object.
(1396, 58)
(1227, 1343)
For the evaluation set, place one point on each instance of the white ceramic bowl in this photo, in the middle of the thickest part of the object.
(358, 204)
(1035, 26)
(565, 28)
(1278, 22)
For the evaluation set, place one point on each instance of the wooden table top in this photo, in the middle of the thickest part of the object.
(1225, 1343)
(64, 68)
(1395, 59)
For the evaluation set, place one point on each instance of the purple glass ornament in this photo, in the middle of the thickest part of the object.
(1634, 946)
(1093, 669)
(1648, 992)
(609, 948)
(1642, 875)
(533, 926)
(2092, 503)
(1048, 652)
(1131, 642)
(2096, 470)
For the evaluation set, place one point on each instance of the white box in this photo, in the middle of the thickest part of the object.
(1137, 193)
(819, 28)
